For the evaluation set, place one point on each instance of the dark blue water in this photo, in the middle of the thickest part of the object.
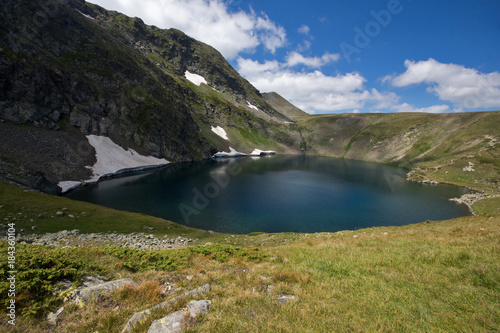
(278, 194)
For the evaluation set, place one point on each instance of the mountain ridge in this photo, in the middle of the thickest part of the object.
(90, 71)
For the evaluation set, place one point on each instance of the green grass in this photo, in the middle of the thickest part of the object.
(40, 268)
(487, 206)
(428, 277)
(442, 276)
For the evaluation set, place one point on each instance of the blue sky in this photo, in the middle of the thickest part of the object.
(351, 55)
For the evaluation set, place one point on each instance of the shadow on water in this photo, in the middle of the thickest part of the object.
(278, 194)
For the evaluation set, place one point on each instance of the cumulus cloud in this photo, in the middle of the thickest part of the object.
(313, 91)
(304, 29)
(295, 58)
(209, 21)
(467, 88)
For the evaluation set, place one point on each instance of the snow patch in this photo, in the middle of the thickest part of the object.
(113, 159)
(258, 152)
(68, 185)
(220, 132)
(195, 78)
(252, 106)
(87, 16)
(232, 153)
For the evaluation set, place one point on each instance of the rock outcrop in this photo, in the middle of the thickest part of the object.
(73, 238)
(25, 177)
(168, 323)
(73, 68)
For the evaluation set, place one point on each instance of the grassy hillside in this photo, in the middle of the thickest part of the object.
(283, 106)
(432, 276)
(437, 146)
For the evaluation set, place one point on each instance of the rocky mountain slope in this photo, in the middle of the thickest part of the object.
(69, 69)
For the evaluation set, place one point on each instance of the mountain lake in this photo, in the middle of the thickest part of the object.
(278, 194)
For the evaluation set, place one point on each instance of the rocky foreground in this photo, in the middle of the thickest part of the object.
(470, 199)
(74, 238)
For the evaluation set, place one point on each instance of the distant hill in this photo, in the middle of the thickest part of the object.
(282, 105)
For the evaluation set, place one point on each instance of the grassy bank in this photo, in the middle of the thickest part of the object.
(432, 276)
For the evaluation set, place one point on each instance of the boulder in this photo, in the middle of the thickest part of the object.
(94, 291)
(143, 315)
(169, 324)
(197, 307)
(174, 322)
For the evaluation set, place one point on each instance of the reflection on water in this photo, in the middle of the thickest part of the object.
(278, 194)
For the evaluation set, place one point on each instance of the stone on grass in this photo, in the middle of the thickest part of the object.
(95, 291)
(169, 324)
(52, 317)
(141, 316)
(174, 322)
(284, 299)
(196, 307)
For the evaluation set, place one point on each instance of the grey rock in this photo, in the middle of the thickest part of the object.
(52, 317)
(168, 324)
(25, 177)
(95, 291)
(63, 285)
(174, 322)
(286, 298)
(143, 315)
(197, 307)
(92, 280)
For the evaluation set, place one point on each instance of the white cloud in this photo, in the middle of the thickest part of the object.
(316, 92)
(465, 87)
(313, 91)
(209, 21)
(304, 29)
(295, 58)
(405, 107)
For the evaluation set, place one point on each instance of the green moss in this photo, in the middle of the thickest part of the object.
(254, 136)
(141, 96)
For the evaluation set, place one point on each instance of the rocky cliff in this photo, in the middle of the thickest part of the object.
(70, 69)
